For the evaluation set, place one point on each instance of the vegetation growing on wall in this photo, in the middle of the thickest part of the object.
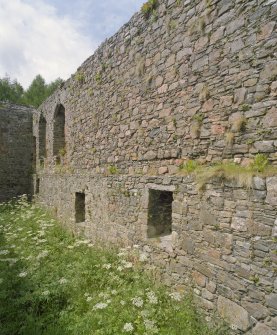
(149, 8)
(243, 175)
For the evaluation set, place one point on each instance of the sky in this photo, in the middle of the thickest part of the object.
(54, 37)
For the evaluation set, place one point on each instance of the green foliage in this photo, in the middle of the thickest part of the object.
(245, 107)
(260, 163)
(198, 118)
(243, 175)
(62, 152)
(80, 77)
(113, 169)
(255, 279)
(189, 166)
(55, 284)
(98, 77)
(149, 7)
(37, 92)
(10, 91)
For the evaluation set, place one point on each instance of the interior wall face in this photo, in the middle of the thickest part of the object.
(16, 151)
(195, 81)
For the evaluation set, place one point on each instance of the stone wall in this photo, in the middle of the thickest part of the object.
(16, 150)
(197, 80)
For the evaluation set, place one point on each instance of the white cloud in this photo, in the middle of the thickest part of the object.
(35, 40)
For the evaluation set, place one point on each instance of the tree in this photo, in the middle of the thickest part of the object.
(53, 86)
(10, 91)
(36, 93)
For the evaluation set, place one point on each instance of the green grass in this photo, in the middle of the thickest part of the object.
(53, 283)
(242, 175)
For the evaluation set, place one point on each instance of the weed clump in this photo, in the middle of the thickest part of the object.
(113, 169)
(149, 8)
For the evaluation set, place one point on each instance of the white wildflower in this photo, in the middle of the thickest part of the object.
(150, 325)
(121, 254)
(106, 266)
(122, 302)
(4, 252)
(89, 299)
(43, 254)
(120, 268)
(100, 305)
(143, 257)
(128, 327)
(144, 313)
(114, 292)
(175, 296)
(152, 297)
(63, 281)
(23, 274)
(45, 293)
(42, 241)
(103, 295)
(127, 265)
(137, 301)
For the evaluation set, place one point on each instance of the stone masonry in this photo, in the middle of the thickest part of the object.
(16, 151)
(196, 80)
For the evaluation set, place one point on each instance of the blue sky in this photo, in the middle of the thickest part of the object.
(53, 37)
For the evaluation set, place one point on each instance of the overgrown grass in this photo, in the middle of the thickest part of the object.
(242, 175)
(53, 283)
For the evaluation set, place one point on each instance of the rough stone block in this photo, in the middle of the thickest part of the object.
(271, 300)
(262, 329)
(271, 184)
(233, 313)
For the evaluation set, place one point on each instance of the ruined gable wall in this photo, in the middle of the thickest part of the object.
(158, 92)
(16, 150)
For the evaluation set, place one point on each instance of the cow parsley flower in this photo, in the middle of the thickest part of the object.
(175, 296)
(137, 301)
(143, 257)
(100, 305)
(150, 325)
(23, 274)
(152, 297)
(63, 281)
(43, 254)
(128, 327)
(127, 265)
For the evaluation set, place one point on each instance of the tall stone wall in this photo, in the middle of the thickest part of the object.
(16, 150)
(197, 80)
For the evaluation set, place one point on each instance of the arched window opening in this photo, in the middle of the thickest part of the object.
(42, 139)
(59, 133)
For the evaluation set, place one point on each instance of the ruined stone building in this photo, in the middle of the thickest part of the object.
(189, 81)
(16, 151)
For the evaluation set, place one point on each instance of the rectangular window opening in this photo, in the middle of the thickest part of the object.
(159, 213)
(80, 207)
